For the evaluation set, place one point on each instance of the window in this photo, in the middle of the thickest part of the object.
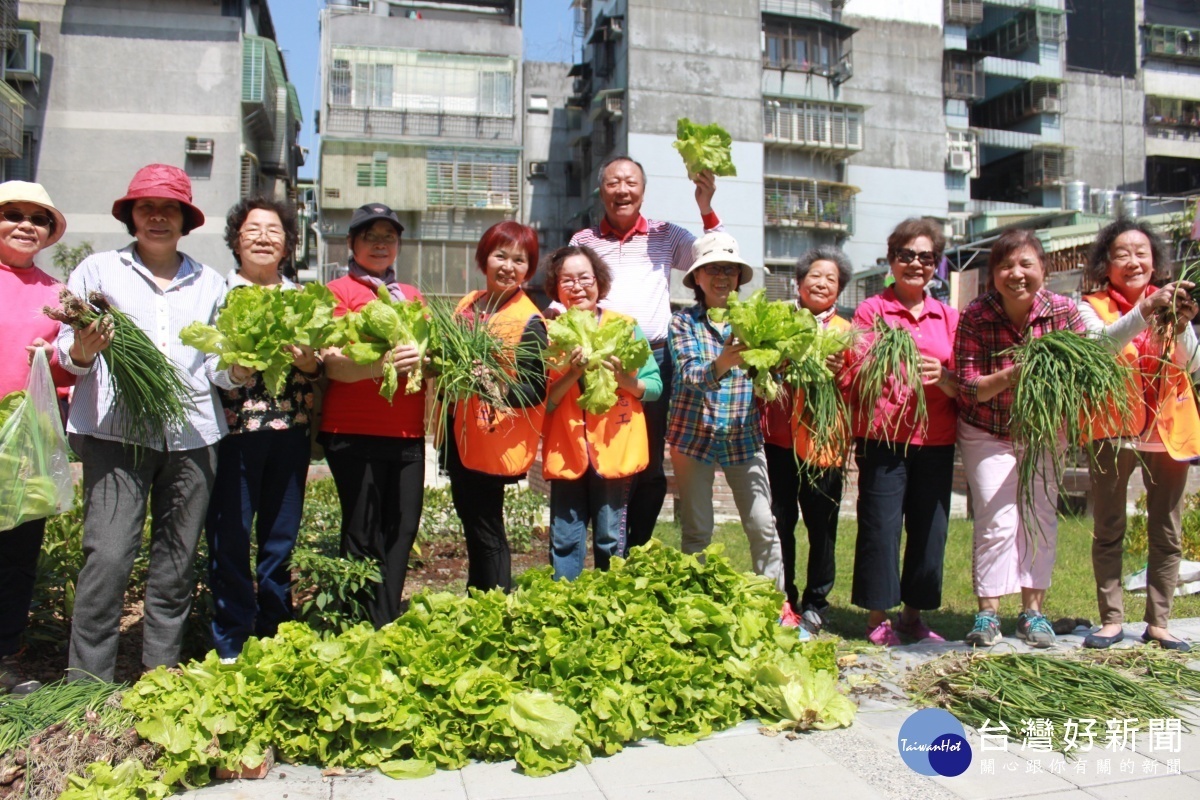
(373, 173)
(808, 47)
(424, 82)
(472, 178)
(373, 85)
(339, 82)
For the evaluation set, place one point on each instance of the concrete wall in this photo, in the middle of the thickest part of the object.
(898, 77)
(1103, 125)
(124, 82)
(546, 204)
(425, 34)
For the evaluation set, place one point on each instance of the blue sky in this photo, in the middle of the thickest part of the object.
(547, 38)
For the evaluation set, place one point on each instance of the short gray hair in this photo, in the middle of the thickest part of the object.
(826, 252)
(608, 162)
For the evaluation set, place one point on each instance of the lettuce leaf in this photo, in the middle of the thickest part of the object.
(367, 335)
(775, 331)
(704, 147)
(579, 328)
(257, 322)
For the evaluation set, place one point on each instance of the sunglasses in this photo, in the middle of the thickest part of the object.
(37, 220)
(728, 270)
(906, 256)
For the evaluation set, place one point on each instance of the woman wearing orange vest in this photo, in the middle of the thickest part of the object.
(1129, 261)
(590, 459)
(821, 274)
(490, 448)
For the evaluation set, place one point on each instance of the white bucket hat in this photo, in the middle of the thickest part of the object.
(716, 248)
(25, 192)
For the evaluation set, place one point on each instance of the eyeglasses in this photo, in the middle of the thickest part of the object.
(38, 220)
(728, 270)
(387, 241)
(585, 282)
(906, 256)
(254, 234)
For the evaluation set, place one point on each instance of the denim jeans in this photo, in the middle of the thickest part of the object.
(573, 504)
(259, 491)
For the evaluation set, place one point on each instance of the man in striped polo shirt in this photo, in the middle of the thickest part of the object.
(641, 254)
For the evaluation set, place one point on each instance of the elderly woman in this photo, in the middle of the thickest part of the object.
(262, 464)
(590, 459)
(814, 491)
(713, 420)
(375, 449)
(162, 290)
(29, 223)
(486, 449)
(1009, 556)
(1148, 318)
(905, 470)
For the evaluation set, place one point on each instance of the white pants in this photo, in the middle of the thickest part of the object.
(752, 494)
(1008, 554)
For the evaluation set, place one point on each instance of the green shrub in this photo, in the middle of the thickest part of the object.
(1137, 544)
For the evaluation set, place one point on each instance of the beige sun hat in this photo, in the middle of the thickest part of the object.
(26, 192)
(716, 247)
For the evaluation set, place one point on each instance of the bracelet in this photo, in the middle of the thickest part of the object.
(312, 376)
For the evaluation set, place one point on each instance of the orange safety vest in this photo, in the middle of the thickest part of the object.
(1177, 418)
(488, 441)
(800, 434)
(615, 443)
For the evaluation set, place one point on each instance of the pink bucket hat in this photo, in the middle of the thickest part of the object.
(161, 181)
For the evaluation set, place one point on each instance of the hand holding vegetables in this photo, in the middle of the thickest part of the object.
(578, 330)
(730, 356)
(706, 187)
(91, 341)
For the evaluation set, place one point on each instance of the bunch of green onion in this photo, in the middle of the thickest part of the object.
(147, 386)
(823, 411)
(23, 716)
(1067, 383)
(1014, 687)
(892, 360)
(468, 359)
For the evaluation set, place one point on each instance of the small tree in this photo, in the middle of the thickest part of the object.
(67, 258)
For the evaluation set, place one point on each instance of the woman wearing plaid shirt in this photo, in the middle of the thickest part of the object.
(1008, 557)
(713, 419)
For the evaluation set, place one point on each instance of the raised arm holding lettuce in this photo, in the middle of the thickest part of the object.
(641, 254)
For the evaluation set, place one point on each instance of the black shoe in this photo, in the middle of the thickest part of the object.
(1097, 642)
(1166, 644)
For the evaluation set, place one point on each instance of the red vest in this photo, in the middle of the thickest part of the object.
(489, 441)
(614, 443)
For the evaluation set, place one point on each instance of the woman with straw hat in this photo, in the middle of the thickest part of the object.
(29, 223)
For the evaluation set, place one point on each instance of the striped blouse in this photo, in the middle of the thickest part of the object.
(195, 295)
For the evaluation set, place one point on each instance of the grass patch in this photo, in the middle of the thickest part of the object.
(1072, 593)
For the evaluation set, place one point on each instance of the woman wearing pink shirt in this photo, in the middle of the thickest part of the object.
(29, 223)
(905, 471)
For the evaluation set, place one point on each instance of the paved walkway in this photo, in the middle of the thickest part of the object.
(860, 762)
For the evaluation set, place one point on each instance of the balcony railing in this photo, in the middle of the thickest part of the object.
(807, 203)
(1173, 42)
(12, 122)
(812, 126)
(964, 12)
(1048, 166)
(1172, 118)
(395, 122)
(962, 76)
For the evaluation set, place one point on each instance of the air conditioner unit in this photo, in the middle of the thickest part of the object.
(1050, 105)
(959, 161)
(498, 200)
(24, 62)
(197, 146)
(538, 169)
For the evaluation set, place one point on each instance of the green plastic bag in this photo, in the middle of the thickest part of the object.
(35, 477)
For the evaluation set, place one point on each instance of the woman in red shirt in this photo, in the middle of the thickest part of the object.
(375, 449)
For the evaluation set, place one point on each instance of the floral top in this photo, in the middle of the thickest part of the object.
(251, 407)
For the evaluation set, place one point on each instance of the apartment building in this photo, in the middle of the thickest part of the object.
(107, 86)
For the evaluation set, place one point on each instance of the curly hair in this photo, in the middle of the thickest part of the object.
(554, 264)
(914, 227)
(236, 218)
(1096, 270)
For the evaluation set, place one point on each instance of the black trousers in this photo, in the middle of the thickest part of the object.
(650, 485)
(479, 501)
(816, 496)
(381, 485)
(901, 488)
(18, 570)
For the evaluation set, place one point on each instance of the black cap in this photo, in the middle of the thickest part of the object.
(365, 215)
